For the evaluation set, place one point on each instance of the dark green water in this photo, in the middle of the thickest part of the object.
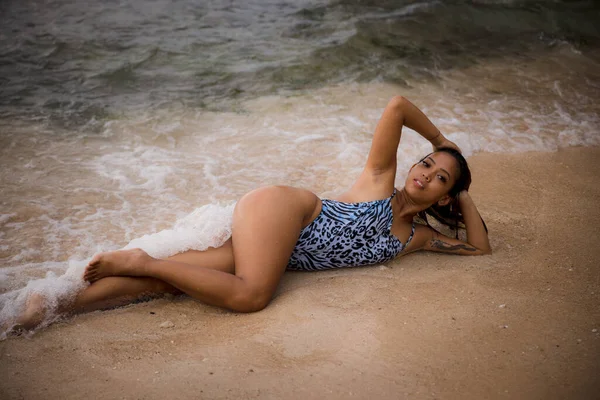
(70, 61)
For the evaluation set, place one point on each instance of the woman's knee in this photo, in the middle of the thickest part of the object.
(250, 300)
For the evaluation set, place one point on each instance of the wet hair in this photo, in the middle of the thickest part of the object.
(450, 214)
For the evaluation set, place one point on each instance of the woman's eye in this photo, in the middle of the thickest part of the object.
(425, 163)
(443, 178)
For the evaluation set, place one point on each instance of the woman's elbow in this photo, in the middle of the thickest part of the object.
(485, 252)
(397, 101)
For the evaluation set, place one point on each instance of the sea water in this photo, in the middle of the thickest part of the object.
(142, 122)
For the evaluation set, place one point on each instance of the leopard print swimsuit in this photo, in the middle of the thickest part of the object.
(348, 235)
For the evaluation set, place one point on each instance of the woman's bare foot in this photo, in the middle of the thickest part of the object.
(116, 263)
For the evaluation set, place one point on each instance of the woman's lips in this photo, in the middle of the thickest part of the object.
(418, 183)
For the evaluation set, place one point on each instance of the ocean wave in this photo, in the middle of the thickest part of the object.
(125, 57)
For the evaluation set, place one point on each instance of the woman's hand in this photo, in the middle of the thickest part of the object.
(441, 141)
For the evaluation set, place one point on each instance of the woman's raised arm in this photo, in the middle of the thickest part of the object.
(398, 113)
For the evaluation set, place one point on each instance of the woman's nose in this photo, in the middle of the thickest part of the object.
(426, 177)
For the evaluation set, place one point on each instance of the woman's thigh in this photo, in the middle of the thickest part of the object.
(283, 205)
(266, 227)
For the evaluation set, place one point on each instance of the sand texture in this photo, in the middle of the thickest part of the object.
(523, 323)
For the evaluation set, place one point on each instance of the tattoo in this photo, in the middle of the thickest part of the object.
(439, 244)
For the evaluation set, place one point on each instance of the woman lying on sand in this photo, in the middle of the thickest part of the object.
(283, 228)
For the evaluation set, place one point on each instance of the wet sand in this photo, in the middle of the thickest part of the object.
(523, 323)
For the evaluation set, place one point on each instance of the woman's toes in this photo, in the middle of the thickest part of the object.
(90, 273)
(87, 273)
(95, 260)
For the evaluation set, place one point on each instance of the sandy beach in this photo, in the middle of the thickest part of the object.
(523, 323)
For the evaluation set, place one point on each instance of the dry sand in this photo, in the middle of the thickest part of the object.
(523, 323)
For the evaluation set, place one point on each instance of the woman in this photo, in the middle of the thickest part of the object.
(279, 228)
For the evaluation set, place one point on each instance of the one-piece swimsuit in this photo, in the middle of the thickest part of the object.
(348, 235)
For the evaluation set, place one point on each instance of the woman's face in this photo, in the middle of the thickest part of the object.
(430, 180)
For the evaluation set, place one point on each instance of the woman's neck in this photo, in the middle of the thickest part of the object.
(406, 207)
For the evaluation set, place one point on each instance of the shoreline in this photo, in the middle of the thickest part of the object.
(523, 322)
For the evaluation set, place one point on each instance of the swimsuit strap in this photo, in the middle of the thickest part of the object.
(412, 231)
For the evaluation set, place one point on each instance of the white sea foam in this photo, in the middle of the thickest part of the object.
(55, 290)
(207, 226)
(6, 217)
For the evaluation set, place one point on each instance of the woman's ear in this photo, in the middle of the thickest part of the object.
(444, 201)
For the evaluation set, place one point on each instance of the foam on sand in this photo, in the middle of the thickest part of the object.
(207, 226)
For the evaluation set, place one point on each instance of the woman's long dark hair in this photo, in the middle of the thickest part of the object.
(450, 214)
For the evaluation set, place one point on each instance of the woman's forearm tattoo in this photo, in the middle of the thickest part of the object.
(439, 244)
